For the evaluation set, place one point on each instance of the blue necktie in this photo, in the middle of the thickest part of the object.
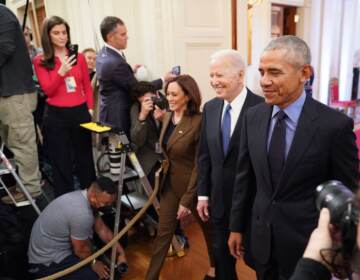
(276, 154)
(226, 128)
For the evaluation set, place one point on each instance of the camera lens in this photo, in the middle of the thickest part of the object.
(336, 197)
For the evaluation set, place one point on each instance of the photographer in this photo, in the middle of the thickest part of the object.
(313, 266)
(145, 126)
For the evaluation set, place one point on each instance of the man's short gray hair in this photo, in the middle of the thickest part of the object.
(235, 58)
(298, 52)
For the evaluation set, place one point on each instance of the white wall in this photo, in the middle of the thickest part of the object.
(163, 33)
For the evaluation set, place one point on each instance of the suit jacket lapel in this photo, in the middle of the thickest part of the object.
(235, 137)
(304, 134)
(165, 123)
(217, 121)
(182, 128)
(263, 128)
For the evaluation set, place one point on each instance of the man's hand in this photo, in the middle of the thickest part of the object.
(235, 245)
(203, 210)
(168, 76)
(182, 212)
(136, 67)
(101, 269)
(320, 237)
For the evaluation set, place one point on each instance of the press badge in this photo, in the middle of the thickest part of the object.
(70, 84)
(158, 149)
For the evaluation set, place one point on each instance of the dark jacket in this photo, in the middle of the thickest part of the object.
(180, 174)
(308, 269)
(144, 136)
(15, 65)
(283, 218)
(216, 170)
(116, 79)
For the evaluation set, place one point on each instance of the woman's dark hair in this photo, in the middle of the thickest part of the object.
(48, 60)
(140, 88)
(108, 25)
(191, 90)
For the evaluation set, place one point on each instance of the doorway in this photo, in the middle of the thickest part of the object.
(283, 20)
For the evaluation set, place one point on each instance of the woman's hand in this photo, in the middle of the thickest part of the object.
(182, 212)
(66, 65)
(320, 237)
(91, 112)
(146, 107)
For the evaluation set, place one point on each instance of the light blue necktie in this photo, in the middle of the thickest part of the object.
(226, 128)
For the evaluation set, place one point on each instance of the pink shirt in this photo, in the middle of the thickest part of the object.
(54, 86)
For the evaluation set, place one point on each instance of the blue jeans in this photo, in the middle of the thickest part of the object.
(85, 272)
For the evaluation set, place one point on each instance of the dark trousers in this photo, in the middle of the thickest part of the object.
(39, 270)
(225, 263)
(69, 146)
(279, 266)
(270, 271)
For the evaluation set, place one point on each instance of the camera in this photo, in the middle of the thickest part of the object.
(344, 212)
(160, 101)
(120, 270)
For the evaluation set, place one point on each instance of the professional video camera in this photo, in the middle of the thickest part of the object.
(160, 101)
(344, 215)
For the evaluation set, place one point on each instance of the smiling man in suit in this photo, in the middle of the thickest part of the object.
(218, 151)
(115, 75)
(289, 145)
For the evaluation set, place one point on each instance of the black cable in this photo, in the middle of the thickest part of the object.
(25, 15)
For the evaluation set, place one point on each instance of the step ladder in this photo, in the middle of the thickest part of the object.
(8, 167)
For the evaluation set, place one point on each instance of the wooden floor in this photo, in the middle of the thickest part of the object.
(192, 266)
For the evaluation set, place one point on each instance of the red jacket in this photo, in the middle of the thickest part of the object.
(55, 88)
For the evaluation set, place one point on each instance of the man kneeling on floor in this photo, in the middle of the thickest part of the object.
(61, 235)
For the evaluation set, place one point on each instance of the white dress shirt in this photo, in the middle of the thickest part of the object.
(120, 52)
(236, 106)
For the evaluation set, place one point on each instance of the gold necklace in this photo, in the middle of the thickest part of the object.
(174, 121)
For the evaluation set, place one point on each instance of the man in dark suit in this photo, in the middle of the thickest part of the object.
(115, 75)
(218, 151)
(289, 145)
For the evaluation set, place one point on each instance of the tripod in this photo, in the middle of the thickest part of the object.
(119, 144)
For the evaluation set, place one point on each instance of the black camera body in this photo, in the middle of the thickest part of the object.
(160, 101)
(73, 50)
(344, 212)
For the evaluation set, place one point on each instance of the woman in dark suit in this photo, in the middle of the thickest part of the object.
(179, 140)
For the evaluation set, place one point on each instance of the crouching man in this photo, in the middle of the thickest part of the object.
(61, 235)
